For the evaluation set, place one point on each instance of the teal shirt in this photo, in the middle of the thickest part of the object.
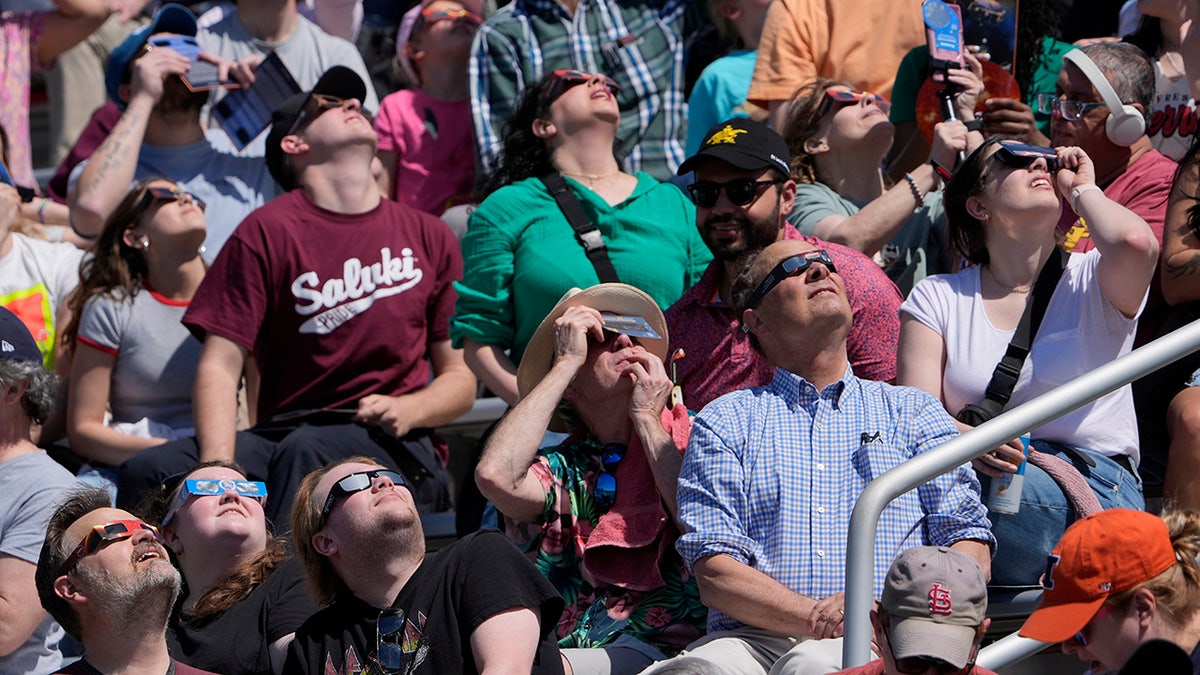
(520, 255)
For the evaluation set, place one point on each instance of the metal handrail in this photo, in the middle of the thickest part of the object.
(864, 520)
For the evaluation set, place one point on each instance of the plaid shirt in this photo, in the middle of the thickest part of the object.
(771, 474)
(640, 45)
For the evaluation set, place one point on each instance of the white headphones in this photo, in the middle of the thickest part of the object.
(1125, 123)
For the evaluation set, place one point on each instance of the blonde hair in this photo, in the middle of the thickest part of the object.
(1176, 590)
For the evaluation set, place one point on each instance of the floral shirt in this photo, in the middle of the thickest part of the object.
(19, 35)
(668, 618)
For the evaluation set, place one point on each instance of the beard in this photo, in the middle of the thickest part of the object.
(756, 233)
(178, 99)
(144, 597)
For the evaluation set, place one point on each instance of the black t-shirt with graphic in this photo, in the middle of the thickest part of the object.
(428, 628)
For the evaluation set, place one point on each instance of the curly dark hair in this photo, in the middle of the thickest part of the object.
(966, 231)
(111, 266)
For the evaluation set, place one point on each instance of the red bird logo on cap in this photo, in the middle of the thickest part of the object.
(939, 600)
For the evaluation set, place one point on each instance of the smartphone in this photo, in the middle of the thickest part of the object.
(944, 36)
(201, 75)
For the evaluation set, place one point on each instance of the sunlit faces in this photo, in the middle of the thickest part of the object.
(119, 573)
(443, 27)
(334, 128)
(382, 504)
(607, 367)
(201, 520)
(1014, 194)
(1088, 131)
(851, 116)
(807, 300)
(181, 217)
(730, 230)
(578, 98)
(1111, 637)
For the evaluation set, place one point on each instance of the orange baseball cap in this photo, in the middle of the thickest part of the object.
(1098, 556)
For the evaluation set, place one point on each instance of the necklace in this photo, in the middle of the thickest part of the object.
(591, 177)
(1011, 289)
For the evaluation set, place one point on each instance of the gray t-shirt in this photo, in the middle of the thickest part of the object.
(31, 487)
(921, 248)
(156, 356)
(231, 185)
(307, 53)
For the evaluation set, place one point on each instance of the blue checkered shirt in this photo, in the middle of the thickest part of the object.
(641, 45)
(771, 474)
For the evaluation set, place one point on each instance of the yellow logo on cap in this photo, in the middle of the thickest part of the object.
(726, 135)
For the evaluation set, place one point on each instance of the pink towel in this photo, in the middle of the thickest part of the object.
(626, 548)
(1079, 494)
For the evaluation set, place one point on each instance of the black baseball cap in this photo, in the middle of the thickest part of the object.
(16, 342)
(745, 144)
(338, 81)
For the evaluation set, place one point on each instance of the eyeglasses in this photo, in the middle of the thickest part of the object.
(787, 268)
(1081, 637)
(740, 192)
(313, 107)
(396, 642)
(430, 16)
(843, 97)
(356, 482)
(1069, 110)
(1017, 155)
(563, 80)
(916, 665)
(161, 195)
(102, 534)
(209, 487)
(606, 483)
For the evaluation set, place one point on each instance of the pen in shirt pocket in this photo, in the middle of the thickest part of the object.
(612, 47)
(866, 438)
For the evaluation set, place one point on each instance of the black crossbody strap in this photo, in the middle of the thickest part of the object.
(1004, 378)
(586, 231)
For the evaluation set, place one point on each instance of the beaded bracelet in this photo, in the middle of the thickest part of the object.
(916, 191)
(42, 211)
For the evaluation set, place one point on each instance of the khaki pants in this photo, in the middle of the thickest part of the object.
(753, 651)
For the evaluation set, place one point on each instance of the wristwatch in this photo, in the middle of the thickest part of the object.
(974, 125)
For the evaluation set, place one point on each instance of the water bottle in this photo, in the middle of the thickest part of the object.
(1005, 495)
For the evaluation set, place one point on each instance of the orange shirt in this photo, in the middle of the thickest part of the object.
(860, 41)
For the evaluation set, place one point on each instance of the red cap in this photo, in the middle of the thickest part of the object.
(1098, 556)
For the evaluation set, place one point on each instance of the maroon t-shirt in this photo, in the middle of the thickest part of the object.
(719, 358)
(333, 307)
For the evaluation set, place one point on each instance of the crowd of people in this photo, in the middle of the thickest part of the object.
(289, 240)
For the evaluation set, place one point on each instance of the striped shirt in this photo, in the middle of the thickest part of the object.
(771, 475)
(640, 45)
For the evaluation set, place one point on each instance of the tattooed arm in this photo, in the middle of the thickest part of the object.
(110, 171)
(1181, 247)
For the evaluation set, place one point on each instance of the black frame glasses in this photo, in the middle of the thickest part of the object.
(605, 492)
(740, 192)
(1068, 109)
(356, 482)
(102, 534)
(568, 78)
(787, 268)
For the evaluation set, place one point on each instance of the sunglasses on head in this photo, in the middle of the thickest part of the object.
(740, 192)
(563, 80)
(430, 16)
(787, 268)
(313, 107)
(356, 482)
(605, 492)
(841, 97)
(209, 487)
(102, 534)
(1018, 155)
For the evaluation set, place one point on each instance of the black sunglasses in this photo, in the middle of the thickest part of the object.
(605, 492)
(787, 268)
(740, 192)
(355, 482)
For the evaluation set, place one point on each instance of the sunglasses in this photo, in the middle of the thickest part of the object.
(1069, 110)
(393, 642)
(1081, 637)
(356, 482)
(211, 487)
(161, 195)
(430, 16)
(605, 492)
(1017, 155)
(563, 80)
(843, 97)
(103, 534)
(787, 268)
(740, 192)
(313, 107)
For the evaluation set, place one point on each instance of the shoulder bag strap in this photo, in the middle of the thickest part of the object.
(586, 231)
(1004, 378)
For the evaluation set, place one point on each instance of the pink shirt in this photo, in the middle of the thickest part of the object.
(719, 358)
(20, 34)
(434, 146)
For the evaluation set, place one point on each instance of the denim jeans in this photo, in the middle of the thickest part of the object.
(1026, 538)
